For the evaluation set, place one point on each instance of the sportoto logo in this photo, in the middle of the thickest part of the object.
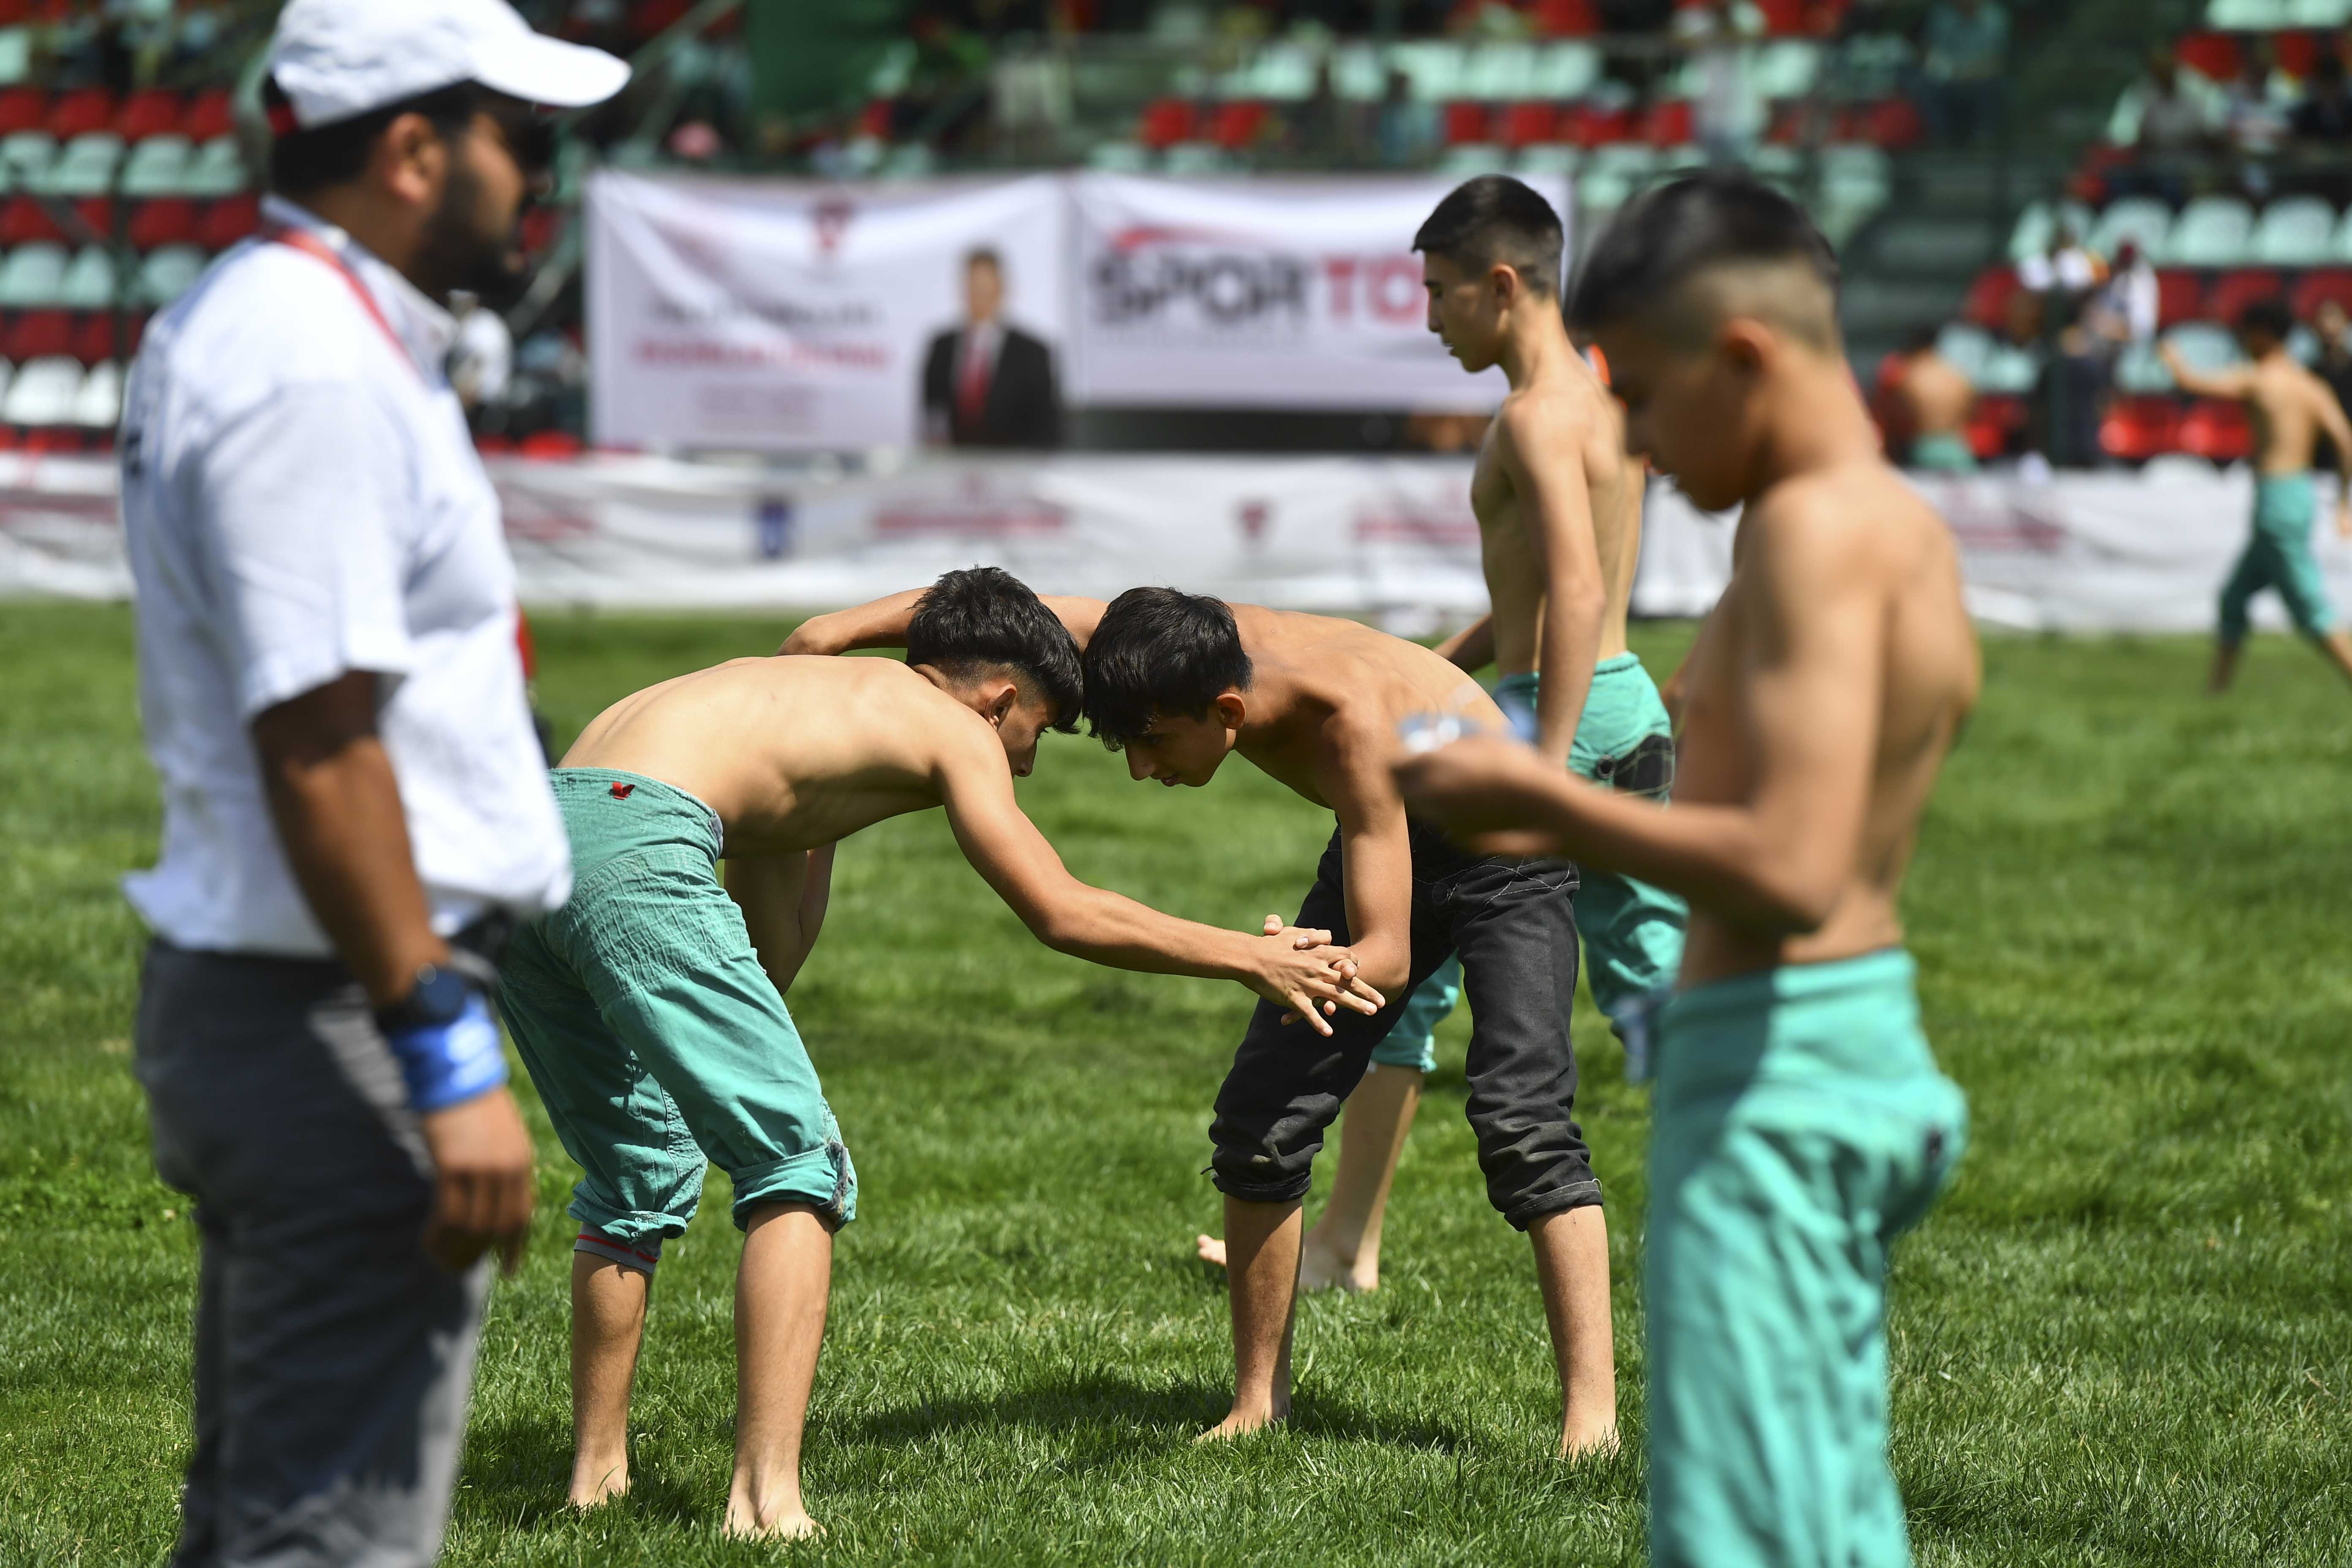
(831, 218)
(1205, 283)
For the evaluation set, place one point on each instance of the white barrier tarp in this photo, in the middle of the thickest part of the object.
(1262, 293)
(1345, 535)
(780, 315)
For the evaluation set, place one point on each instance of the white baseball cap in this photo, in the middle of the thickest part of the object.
(334, 59)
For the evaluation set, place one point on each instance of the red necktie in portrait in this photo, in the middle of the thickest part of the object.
(972, 385)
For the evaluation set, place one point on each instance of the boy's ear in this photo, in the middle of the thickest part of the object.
(1232, 708)
(1002, 698)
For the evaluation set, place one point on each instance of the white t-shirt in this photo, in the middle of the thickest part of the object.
(300, 499)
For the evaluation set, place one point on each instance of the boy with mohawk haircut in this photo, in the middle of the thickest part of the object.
(1800, 1121)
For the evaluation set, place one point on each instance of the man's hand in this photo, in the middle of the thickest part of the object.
(1300, 968)
(1487, 792)
(482, 1182)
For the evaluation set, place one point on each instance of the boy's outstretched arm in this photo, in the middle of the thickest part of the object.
(882, 623)
(1538, 451)
(2203, 383)
(1811, 634)
(1472, 647)
(1297, 969)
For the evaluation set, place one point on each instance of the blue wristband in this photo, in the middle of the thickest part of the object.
(453, 1061)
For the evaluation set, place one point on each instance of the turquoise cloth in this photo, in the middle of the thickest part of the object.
(1946, 453)
(1632, 932)
(2278, 555)
(1799, 1124)
(657, 1040)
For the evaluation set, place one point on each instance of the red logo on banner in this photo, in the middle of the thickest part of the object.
(1253, 516)
(831, 217)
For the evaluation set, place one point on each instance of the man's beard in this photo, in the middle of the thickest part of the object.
(456, 252)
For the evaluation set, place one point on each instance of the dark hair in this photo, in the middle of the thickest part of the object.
(1922, 338)
(1495, 218)
(983, 619)
(301, 162)
(2272, 317)
(1160, 650)
(983, 256)
(1662, 238)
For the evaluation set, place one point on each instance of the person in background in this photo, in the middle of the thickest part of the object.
(2254, 109)
(1721, 36)
(482, 364)
(1405, 131)
(2124, 310)
(2070, 394)
(1933, 398)
(2332, 327)
(987, 384)
(2174, 116)
(2324, 115)
(355, 810)
(1965, 54)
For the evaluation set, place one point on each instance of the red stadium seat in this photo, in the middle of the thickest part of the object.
(15, 13)
(1166, 121)
(1464, 123)
(493, 446)
(228, 220)
(2233, 292)
(211, 115)
(1988, 302)
(56, 439)
(167, 220)
(24, 221)
(1895, 124)
(648, 17)
(2180, 296)
(550, 445)
(36, 335)
(1671, 123)
(96, 338)
(2214, 56)
(2317, 287)
(153, 112)
(2213, 429)
(1236, 124)
(1591, 125)
(2298, 53)
(1996, 421)
(1524, 124)
(2139, 428)
(22, 109)
(1784, 16)
(1564, 18)
(80, 113)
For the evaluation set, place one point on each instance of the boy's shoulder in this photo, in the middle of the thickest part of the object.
(1835, 518)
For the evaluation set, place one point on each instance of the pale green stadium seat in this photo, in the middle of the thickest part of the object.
(85, 167)
(157, 166)
(90, 282)
(42, 392)
(169, 272)
(2142, 219)
(31, 275)
(2211, 231)
(2296, 231)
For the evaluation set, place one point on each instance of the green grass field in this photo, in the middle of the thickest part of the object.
(2125, 1338)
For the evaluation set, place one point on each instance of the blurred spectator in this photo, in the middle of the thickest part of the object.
(1727, 112)
(2069, 396)
(481, 364)
(2125, 311)
(2333, 364)
(1965, 51)
(2254, 118)
(2065, 267)
(986, 383)
(2325, 113)
(1931, 404)
(1325, 128)
(1405, 131)
(1029, 93)
(2173, 116)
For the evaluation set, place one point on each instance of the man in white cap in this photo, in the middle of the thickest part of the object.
(355, 808)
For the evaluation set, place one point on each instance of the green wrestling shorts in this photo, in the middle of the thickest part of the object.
(1632, 932)
(1946, 453)
(2278, 555)
(656, 1041)
(1799, 1124)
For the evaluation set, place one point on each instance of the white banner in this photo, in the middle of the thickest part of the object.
(1391, 538)
(1263, 294)
(786, 316)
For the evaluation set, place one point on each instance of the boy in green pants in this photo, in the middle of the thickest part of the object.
(1801, 1122)
(650, 1010)
(1559, 525)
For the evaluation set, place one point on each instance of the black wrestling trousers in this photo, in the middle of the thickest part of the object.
(1514, 924)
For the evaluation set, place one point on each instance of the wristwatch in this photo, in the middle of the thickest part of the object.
(434, 1000)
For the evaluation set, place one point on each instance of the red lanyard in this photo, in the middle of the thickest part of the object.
(311, 245)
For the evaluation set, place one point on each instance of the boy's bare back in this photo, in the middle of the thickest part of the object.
(792, 752)
(1842, 565)
(2283, 400)
(1567, 409)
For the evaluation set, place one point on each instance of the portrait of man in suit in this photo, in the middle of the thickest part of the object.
(986, 382)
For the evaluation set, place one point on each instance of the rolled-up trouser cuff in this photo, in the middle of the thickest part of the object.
(1583, 1195)
(822, 1178)
(1267, 1190)
(642, 1256)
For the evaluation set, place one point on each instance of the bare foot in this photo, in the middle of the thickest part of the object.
(1321, 1267)
(1240, 1424)
(1600, 1445)
(594, 1485)
(793, 1525)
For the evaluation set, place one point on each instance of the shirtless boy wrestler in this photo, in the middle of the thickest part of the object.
(1180, 682)
(2290, 409)
(1800, 1121)
(649, 1008)
(1559, 505)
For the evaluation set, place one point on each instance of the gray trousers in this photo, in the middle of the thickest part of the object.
(333, 1358)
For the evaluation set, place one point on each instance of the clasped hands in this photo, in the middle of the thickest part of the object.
(1302, 968)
